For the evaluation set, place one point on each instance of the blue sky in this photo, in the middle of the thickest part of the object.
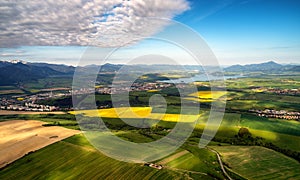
(238, 32)
(248, 31)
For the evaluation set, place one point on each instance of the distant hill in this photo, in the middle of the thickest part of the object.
(12, 73)
(57, 67)
(16, 71)
(102, 68)
(295, 69)
(270, 66)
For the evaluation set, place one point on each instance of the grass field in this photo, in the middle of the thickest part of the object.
(254, 162)
(269, 81)
(75, 158)
(191, 162)
(241, 96)
(273, 125)
(50, 82)
(283, 133)
(6, 90)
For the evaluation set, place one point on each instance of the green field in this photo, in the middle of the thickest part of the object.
(269, 81)
(254, 162)
(196, 160)
(10, 90)
(50, 82)
(289, 127)
(75, 158)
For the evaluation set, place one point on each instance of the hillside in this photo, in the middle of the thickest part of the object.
(15, 71)
(271, 67)
(12, 73)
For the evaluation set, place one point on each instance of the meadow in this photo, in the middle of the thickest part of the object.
(253, 162)
(75, 158)
(10, 90)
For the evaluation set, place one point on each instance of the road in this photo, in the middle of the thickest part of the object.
(221, 163)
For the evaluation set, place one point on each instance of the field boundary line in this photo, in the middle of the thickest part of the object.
(174, 156)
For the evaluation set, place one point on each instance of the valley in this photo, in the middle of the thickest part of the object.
(244, 137)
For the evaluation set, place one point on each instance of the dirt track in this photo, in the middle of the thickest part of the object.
(19, 137)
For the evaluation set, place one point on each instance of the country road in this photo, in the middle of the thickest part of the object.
(220, 162)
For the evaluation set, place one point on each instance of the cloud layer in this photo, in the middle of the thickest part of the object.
(105, 23)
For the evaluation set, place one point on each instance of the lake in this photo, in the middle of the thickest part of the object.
(201, 77)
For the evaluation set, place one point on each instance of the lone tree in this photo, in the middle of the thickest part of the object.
(244, 133)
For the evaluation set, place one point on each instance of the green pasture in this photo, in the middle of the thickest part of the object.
(75, 158)
(282, 126)
(253, 162)
(10, 90)
(267, 81)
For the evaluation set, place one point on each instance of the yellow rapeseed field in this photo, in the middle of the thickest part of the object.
(135, 113)
(153, 90)
(20, 99)
(206, 96)
(123, 112)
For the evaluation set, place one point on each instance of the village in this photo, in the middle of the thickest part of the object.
(278, 91)
(30, 102)
(281, 114)
(26, 103)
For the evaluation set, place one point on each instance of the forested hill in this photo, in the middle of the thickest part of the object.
(269, 67)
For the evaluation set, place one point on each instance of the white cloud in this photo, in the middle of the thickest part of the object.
(79, 22)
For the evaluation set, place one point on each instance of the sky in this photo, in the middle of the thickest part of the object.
(63, 32)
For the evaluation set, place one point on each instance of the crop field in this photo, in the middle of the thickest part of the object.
(21, 137)
(282, 126)
(206, 96)
(265, 81)
(136, 113)
(172, 157)
(75, 158)
(241, 96)
(247, 104)
(283, 133)
(281, 140)
(253, 162)
(188, 161)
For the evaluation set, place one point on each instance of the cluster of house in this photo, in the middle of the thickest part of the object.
(281, 114)
(279, 91)
(119, 88)
(285, 91)
(149, 86)
(31, 107)
(28, 103)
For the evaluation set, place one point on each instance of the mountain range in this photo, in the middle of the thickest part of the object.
(267, 67)
(13, 72)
